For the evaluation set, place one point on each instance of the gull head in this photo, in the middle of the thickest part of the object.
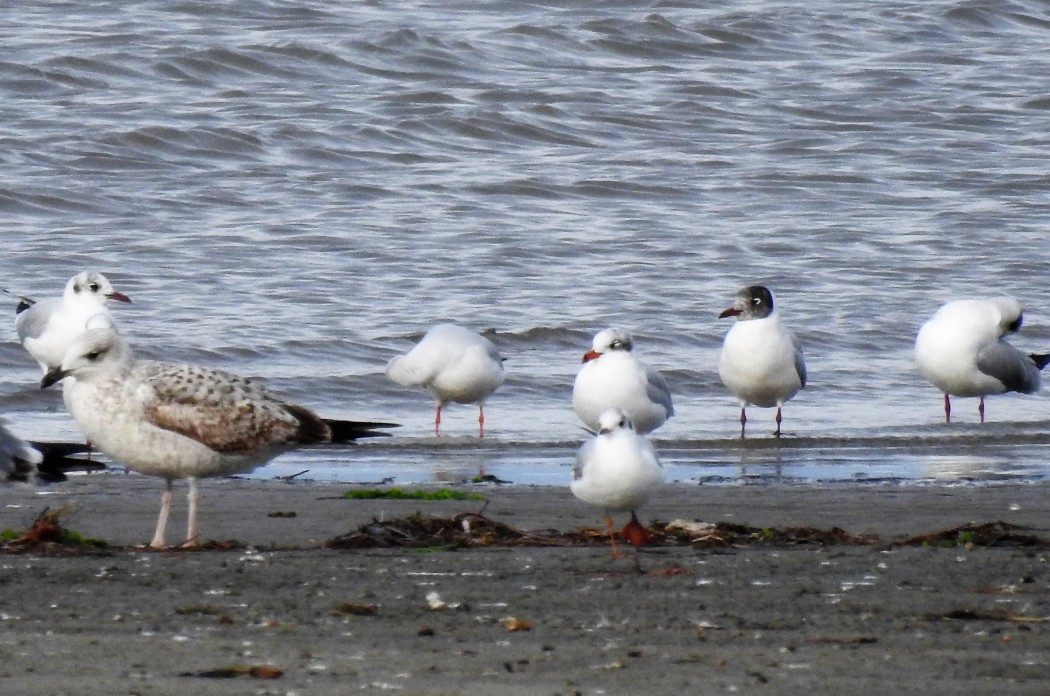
(608, 340)
(98, 351)
(93, 285)
(752, 302)
(614, 419)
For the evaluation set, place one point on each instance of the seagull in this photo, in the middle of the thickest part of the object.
(46, 462)
(612, 376)
(617, 469)
(18, 458)
(761, 362)
(455, 364)
(182, 421)
(962, 351)
(47, 327)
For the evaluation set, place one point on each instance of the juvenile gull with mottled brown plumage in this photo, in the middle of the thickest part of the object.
(181, 421)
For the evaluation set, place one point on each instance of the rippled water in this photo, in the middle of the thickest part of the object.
(298, 189)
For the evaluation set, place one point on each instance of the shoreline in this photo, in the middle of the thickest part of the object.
(282, 615)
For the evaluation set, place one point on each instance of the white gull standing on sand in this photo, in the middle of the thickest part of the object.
(182, 421)
(613, 377)
(617, 470)
(455, 364)
(962, 351)
(47, 327)
(761, 362)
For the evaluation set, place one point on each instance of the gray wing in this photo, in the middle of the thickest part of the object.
(800, 363)
(657, 390)
(1014, 369)
(31, 322)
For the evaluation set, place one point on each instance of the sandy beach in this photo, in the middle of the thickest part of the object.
(278, 612)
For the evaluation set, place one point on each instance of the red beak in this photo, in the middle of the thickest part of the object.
(591, 355)
(731, 312)
(118, 296)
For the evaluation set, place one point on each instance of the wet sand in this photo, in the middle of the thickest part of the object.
(871, 619)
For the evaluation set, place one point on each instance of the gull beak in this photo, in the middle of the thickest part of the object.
(731, 312)
(118, 296)
(55, 374)
(591, 355)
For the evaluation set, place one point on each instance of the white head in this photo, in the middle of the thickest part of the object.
(92, 287)
(96, 352)
(608, 340)
(614, 419)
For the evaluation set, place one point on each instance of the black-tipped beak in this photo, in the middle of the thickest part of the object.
(55, 374)
(119, 297)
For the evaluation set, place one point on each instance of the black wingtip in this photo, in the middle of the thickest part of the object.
(1040, 360)
(60, 459)
(348, 431)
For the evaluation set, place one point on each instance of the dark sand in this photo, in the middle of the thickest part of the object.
(840, 619)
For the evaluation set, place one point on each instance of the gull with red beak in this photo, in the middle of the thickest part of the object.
(613, 377)
(962, 351)
(46, 328)
(761, 362)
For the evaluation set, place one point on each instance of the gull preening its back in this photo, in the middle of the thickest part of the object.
(617, 470)
(47, 327)
(613, 377)
(181, 421)
(761, 362)
(455, 365)
(962, 350)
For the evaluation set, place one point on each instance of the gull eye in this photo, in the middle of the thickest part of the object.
(756, 300)
(93, 287)
(94, 355)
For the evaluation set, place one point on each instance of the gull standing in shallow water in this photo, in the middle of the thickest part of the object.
(761, 362)
(455, 364)
(182, 421)
(617, 469)
(47, 327)
(962, 351)
(613, 377)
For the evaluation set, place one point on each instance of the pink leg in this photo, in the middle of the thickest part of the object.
(779, 419)
(437, 420)
(743, 421)
(481, 420)
(980, 408)
(193, 498)
(162, 519)
(947, 409)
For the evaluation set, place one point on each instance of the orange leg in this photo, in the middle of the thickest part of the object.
(437, 420)
(481, 420)
(635, 532)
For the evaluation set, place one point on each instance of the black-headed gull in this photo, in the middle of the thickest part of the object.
(761, 363)
(47, 327)
(455, 364)
(617, 470)
(962, 351)
(613, 377)
(180, 421)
